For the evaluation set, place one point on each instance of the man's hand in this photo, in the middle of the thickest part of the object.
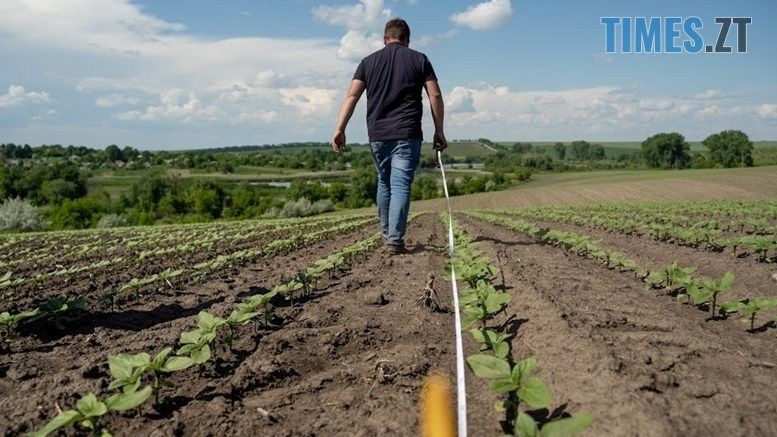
(338, 141)
(440, 143)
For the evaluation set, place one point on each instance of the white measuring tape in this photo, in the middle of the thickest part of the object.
(461, 388)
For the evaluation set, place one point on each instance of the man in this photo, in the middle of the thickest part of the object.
(393, 78)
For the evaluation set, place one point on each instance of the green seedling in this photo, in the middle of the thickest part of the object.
(8, 322)
(750, 309)
(710, 289)
(89, 410)
(491, 340)
(525, 426)
(288, 289)
(196, 343)
(529, 389)
(482, 302)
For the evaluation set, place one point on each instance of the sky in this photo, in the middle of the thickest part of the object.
(181, 74)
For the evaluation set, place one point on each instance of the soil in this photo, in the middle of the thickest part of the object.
(641, 364)
(351, 358)
(753, 278)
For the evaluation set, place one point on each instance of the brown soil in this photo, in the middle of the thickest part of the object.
(753, 278)
(94, 283)
(643, 365)
(350, 359)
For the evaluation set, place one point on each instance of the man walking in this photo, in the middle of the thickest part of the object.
(393, 78)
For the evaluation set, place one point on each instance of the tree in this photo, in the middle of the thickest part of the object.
(364, 186)
(424, 187)
(730, 148)
(521, 148)
(561, 151)
(667, 150)
(580, 150)
(113, 153)
(596, 152)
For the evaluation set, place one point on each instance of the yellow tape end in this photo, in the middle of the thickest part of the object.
(437, 414)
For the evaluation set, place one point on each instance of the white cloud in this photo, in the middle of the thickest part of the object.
(459, 100)
(356, 44)
(308, 100)
(363, 22)
(484, 16)
(175, 105)
(18, 95)
(111, 100)
(365, 15)
(164, 56)
(709, 94)
(263, 117)
(768, 111)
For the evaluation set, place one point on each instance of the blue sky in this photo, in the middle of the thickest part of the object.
(183, 73)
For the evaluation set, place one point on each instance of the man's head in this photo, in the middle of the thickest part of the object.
(397, 30)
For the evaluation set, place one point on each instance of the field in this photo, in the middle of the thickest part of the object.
(616, 283)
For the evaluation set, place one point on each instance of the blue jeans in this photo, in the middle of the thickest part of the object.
(396, 162)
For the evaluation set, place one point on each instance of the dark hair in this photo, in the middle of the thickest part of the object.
(397, 28)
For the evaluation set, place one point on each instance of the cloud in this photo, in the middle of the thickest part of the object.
(262, 117)
(768, 111)
(104, 32)
(110, 100)
(365, 15)
(308, 100)
(484, 16)
(709, 94)
(363, 22)
(355, 44)
(175, 105)
(459, 100)
(18, 95)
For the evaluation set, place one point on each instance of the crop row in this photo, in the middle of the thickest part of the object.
(134, 258)
(706, 234)
(138, 377)
(194, 274)
(106, 243)
(677, 281)
(479, 303)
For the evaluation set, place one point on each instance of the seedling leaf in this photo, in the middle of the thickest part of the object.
(525, 426)
(63, 419)
(534, 392)
(127, 401)
(487, 366)
(175, 364)
(568, 427)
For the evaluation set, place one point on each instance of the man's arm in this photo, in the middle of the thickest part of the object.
(438, 113)
(346, 111)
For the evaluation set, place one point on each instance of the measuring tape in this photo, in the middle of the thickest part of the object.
(461, 388)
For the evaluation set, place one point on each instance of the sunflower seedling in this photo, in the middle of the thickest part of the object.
(750, 309)
(525, 426)
(528, 389)
(491, 340)
(710, 289)
(196, 343)
(89, 410)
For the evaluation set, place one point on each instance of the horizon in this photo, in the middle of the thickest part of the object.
(160, 76)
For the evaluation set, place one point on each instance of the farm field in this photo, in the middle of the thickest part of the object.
(613, 300)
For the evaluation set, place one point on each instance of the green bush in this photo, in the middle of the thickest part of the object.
(17, 215)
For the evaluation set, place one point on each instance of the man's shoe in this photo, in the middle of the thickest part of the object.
(395, 249)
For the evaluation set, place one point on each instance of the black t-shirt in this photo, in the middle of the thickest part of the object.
(394, 77)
